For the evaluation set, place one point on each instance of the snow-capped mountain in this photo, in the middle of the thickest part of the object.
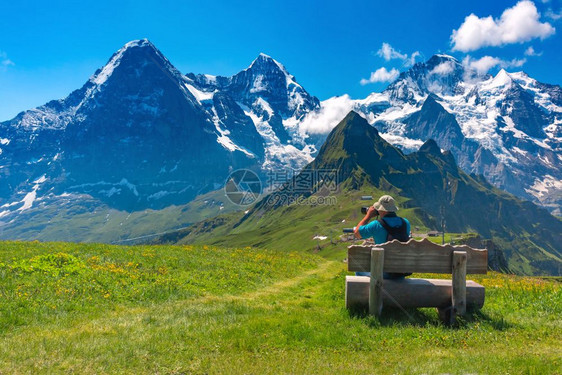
(507, 127)
(269, 101)
(139, 134)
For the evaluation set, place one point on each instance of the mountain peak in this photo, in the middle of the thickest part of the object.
(354, 119)
(356, 145)
(433, 106)
(144, 45)
(135, 52)
(502, 78)
(264, 61)
(353, 125)
(355, 136)
(442, 57)
(431, 101)
(441, 74)
(430, 147)
(445, 64)
(144, 42)
(268, 80)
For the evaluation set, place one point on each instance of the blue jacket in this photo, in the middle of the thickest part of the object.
(376, 230)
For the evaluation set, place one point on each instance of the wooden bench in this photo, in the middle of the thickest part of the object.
(450, 297)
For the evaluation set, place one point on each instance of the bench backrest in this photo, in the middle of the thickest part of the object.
(417, 256)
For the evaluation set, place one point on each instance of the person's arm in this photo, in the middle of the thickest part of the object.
(370, 214)
(408, 228)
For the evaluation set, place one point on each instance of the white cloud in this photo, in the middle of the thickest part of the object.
(516, 25)
(531, 52)
(484, 64)
(555, 16)
(515, 63)
(4, 61)
(381, 75)
(444, 68)
(387, 52)
(331, 112)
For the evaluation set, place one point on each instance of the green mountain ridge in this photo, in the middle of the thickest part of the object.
(87, 219)
(424, 183)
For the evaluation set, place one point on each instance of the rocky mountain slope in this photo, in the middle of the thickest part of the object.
(506, 127)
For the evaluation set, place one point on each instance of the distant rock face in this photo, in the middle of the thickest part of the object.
(139, 134)
(440, 73)
(271, 104)
(507, 127)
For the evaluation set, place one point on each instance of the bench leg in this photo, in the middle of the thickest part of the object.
(376, 283)
(446, 315)
(459, 283)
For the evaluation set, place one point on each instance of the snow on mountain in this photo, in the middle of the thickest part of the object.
(509, 126)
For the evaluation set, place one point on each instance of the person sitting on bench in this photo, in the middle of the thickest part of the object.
(387, 227)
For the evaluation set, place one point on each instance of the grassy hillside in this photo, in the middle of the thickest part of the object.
(200, 309)
(290, 227)
(89, 220)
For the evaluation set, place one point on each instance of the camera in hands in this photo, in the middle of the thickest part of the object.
(365, 209)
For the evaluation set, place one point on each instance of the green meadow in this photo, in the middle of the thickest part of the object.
(196, 309)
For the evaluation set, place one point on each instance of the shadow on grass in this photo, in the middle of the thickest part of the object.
(478, 316)
(423, 317)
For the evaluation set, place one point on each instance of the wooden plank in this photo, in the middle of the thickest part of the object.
(459, 283)
(359, 258)
(410, 292)
(376, 282)
(417, 256)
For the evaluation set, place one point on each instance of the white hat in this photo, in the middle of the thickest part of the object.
(386, 203)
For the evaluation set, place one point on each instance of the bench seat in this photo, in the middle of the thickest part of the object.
(410, 292)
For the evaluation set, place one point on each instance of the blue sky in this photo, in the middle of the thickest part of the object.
(49, 48)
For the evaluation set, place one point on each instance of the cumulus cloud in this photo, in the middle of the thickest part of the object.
(444, 68)
(387, 52)
(531, 52)
(381, 75)
(484, 64)
(516, 25)
(332, 111)
(4, 61)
